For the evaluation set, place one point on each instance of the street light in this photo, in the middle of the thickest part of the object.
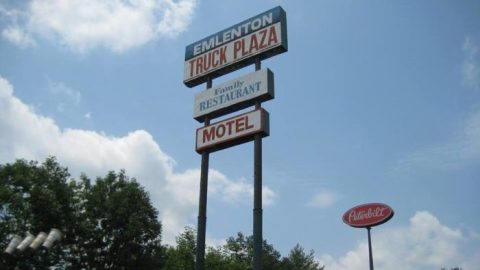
(26, 242)
(13, 244)
(38, 240)
(33, 242)
(54, 235)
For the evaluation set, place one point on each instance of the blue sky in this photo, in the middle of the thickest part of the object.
(376, 101)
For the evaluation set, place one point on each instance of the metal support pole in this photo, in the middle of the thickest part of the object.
(370, 256)
(202, 205)
(257, 194)
(258, 64)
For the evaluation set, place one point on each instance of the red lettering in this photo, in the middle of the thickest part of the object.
(263, 33)
(272, 38)
(223, 57)
(229, 124)
(246, 124)
(191, 62)
(237, 46)
(240, 124)
(199, 65)
(208, 134)
(222, 132)
(244, 51)
(215, 61)
(253, 43)
(208, 61)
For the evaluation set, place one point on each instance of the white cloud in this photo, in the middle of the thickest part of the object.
(26, 134)
(461, 150)
(66, 97)
(174, 17)
(60, 89)
(424, 244)
(238, 191)
(471, 64)
(118, 25)
(464, 146)
(18, 36)
(324, 199)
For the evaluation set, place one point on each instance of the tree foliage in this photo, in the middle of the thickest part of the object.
(35, 198)
(236, 254)
(182, 257)
(108, 224)
(299, 260)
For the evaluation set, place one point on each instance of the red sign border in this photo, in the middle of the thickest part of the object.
(366, 225)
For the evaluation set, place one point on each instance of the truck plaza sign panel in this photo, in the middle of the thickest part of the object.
(234, 95)
(261, 36)
(368, 215)
(232, 131)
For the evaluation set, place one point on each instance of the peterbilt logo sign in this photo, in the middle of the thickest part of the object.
(232, 131)
(261, 36)
(368, 215)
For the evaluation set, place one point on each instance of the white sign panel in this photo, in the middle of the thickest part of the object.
(232, 131)
(260, 37)
(234, 95)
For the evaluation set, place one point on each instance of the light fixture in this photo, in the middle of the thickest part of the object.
(54, 235)
(38, 240)
(13, 244)
(26, 242)
(42, 239)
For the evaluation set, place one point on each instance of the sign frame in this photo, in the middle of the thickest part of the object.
(263, 130)
(375, 221)
(215, 41)
(241, 93)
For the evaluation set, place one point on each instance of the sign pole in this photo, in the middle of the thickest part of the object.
(370, 256)
(366, 216)
(202, 205)
(257, 191)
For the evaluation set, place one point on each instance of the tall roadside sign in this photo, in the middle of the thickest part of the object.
(248, 42)
(367, 216)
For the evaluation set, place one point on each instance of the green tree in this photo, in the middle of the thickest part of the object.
(215, 259)
(35, 198)
(238, 251)
(299, 260)
(120, 223)
(109, 224)
(182, 257)
(238, 254)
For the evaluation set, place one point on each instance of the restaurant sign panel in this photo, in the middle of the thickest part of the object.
(261, 36)
(234, 95)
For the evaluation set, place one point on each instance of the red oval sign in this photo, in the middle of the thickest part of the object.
(368, 215)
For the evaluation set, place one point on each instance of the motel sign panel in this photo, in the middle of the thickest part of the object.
(233, 131)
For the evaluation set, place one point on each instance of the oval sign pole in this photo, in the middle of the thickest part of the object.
(367, 216)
